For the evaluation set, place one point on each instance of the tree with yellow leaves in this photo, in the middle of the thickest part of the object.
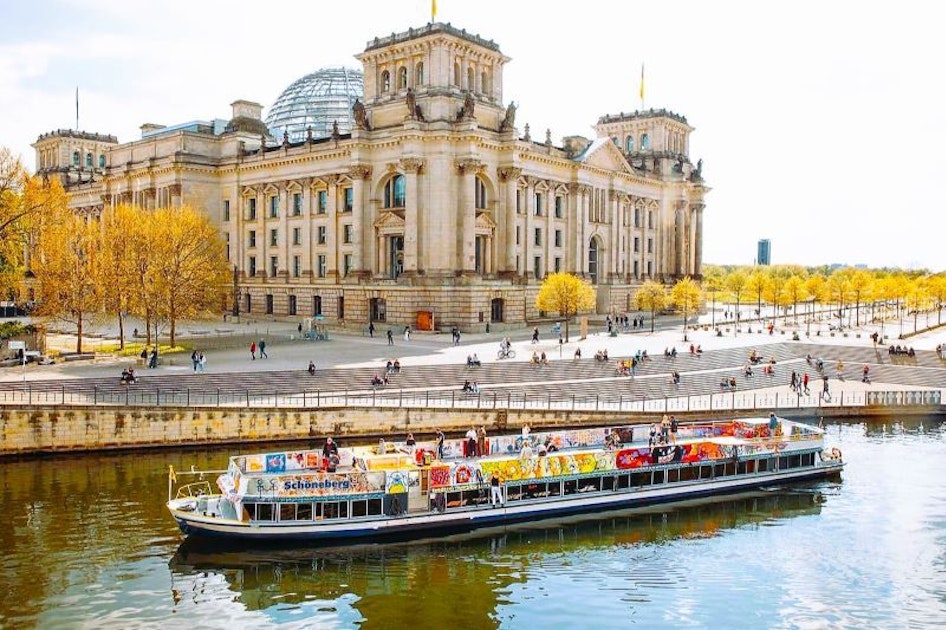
(122, 231)
(737, 284)
(190, 269)
(686, 296)
(67, 265)
(652, 296)
(565, 294)
(24, 200)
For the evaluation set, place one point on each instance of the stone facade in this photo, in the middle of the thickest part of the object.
(435, 211)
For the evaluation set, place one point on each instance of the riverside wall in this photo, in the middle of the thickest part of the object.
(38, 430)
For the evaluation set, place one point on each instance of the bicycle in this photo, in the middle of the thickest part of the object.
(506, 354)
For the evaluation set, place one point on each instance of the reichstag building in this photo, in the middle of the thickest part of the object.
(408, 193)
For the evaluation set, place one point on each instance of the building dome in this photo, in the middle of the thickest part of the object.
(316, 100)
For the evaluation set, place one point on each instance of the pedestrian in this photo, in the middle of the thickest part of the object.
(865, 378)
(804, 380)
(481, 442)
(535, 335)
(673, 429)
(299, 328)
(440, 439)
(262, 349)
(195, 359)
(390, 337)
(456, 338)
(253, 350)
(470, 445)
(371, 329)
(653, 434)
(201, 362)
(496, 490)
(153, 359)
(407, 333)
(824, 392)
(311, 368)
(794, 382)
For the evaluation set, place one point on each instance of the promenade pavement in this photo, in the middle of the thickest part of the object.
(432, 360)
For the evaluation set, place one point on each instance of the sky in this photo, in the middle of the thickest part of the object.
(819, 123)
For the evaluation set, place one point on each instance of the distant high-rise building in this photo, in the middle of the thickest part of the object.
(764, 254)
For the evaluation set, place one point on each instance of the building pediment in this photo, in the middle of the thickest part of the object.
(389, 221)
(485, 222)
(604, 155)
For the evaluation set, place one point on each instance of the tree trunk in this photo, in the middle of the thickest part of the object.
(79, 334)
(173, 317)
(653, 316)
(121, 329)
(148, 326)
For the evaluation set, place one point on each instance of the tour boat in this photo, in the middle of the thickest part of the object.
(395, 490)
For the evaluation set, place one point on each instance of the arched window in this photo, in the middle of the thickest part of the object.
(480, 193)
(385, 81)
(616, 142)
(419, 74)
(75, 158)
(484, 82)
(402, 78)
(395, 192)
(593, 260)
(88, 160)
(456, 74)
(470, 82)
(629, 144)
(102, 160)
(645, 142)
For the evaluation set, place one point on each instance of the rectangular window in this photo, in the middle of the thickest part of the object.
(273, 266)
(316, 305)
(637, 269)
(650, 246)
(637, 244)
(517, 235)
(558, 238)
(273, 207)
(637, 217)
(296, 266)
(226, 237)
(269, 303)
(296, 204)
(518, 201)
(252, 209)
(226, 209)
(321, 234)
(248, 304)
(251, 238)
(538, 237)
(650, 268)
(321, 267)
(538, 204)
(650, 219)
(292, 305)
(537, 266)
(349, 199)
(341, 307)
(273, 238)
(297, 236)
(347, 233)
(251, 267)
(348, 267)
(558, 264)
(559, 206)
(323, 201)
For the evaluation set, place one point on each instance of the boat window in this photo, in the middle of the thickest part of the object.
(763, 465)
(555, 488)
(513, 493)
(374, 506)
(590, 485)
(571, 487)
(730, 469)
(287, 512)
(624, 481)
(719, 470)
(264, 511)
(608, 483)
(660, 476)
(359, 508)
(794, 461)
(743, 468)
(334, 509)
(673, 475)
(689, 473)
(304, 512)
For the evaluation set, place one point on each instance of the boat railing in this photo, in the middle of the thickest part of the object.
(195, 488)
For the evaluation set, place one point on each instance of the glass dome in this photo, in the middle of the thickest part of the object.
(316, 100)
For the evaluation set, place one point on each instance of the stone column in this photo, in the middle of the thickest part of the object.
(509, 175)
(360, 174)
(466, 224)
(284, 262)
(333, 228)
(680, 227)
(698, 240)
(412, 228)
(527, 246)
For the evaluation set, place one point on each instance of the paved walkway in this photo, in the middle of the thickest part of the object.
(431, 362)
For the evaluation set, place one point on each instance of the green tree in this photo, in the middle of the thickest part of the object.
(686, 296)
(737, 283)
(652, 296)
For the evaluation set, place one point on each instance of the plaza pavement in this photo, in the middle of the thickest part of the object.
(287, 352)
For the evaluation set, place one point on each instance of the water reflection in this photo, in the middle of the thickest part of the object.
(366, 582)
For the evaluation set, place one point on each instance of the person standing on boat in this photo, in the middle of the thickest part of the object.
(673, 429)
(329, 449)
(481, 441)
(496, 490)
(773, 424)
(471, 442)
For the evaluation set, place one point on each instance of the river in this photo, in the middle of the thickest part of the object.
(87, 543)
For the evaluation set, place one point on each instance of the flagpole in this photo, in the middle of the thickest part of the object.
(642, 86)
(77, 108)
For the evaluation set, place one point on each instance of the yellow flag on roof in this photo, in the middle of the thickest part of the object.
(642, 85)
(433, 10)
